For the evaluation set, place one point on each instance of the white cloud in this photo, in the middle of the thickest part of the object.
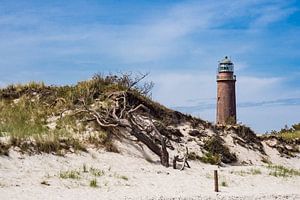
(151, 37)
(177, 89)
(258, 88)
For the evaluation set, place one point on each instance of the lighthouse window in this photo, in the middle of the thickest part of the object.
(224, 67)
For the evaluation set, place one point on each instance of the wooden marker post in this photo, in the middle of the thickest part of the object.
(216, 181)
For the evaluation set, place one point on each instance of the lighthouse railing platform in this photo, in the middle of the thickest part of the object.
(226, 78)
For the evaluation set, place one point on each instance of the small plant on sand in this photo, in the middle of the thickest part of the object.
(85, 168)
(241, 173)
(281, 171)
(124, 177)
(106, 183)
(224, 184)
(254, 171)
(96, 172)
(120, 176)
(209, 175)
(70, 174)
(93, 183)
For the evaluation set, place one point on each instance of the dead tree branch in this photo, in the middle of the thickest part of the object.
(121, 114)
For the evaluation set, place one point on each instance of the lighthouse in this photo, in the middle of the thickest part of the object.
(226, 100)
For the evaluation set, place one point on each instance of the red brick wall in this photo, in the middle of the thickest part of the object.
(226, 100)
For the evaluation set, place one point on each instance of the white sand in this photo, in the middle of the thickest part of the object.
(21, 177)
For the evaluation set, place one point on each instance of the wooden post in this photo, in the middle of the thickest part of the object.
(216, 181)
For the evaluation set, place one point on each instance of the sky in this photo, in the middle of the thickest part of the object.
(178, 42)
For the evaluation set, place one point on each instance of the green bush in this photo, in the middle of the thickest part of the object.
(210, 158)
(215, 146)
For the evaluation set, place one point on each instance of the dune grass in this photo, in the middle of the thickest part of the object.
(282, 171)
(26, 109)
(73, 174)
(290, 135)
(93, 183)
(23, 118)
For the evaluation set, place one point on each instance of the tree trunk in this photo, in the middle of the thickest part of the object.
(146, 140)
(164, 159)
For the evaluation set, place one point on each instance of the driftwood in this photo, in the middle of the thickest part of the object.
(164, 153)
(121, 114)
(184, 161)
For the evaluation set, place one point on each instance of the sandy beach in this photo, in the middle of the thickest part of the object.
(129, 177)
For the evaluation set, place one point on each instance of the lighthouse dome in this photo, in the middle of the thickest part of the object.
(226, 60)
(225, 65)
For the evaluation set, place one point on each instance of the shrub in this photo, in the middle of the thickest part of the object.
(215, 146)
(210, 158)
(194, 156)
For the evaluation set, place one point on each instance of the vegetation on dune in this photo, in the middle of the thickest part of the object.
(217, 151)
(287, 140)
(26, 112)
(213, 159)
(287, 134)
(36, 118)
(290, 135)
(57, 119)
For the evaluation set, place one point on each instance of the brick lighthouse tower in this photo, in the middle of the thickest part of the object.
(226, 100)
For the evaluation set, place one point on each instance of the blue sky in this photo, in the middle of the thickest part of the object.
(178, 42)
